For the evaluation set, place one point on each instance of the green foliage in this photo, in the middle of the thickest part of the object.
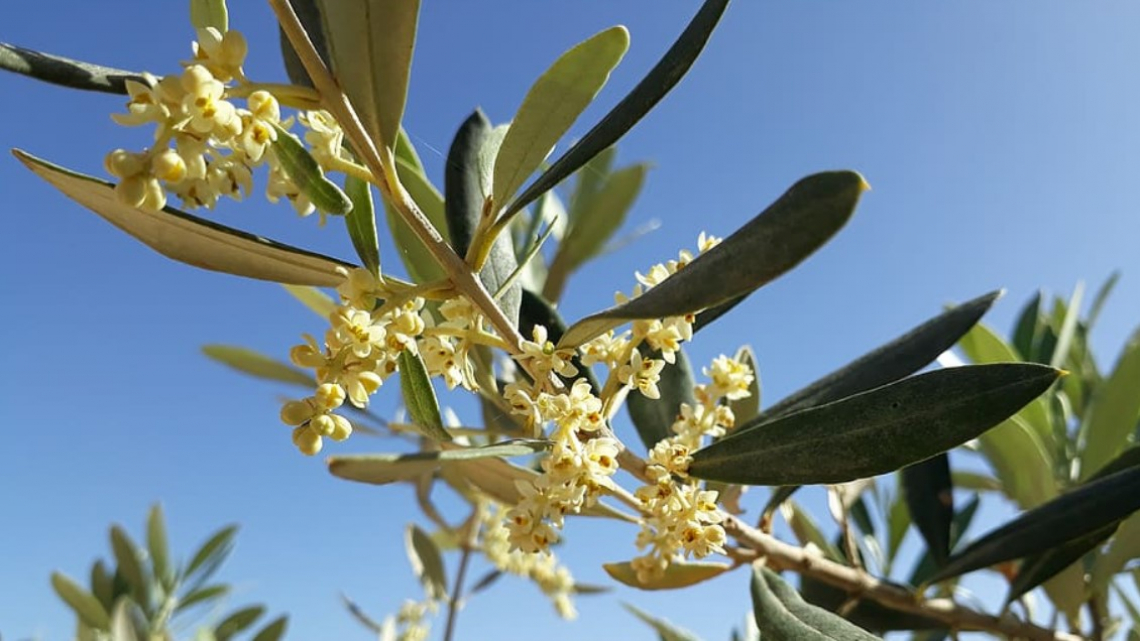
(145, 594)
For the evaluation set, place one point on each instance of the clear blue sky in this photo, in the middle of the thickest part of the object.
(1002, 141)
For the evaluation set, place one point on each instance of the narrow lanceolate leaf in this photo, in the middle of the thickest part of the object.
(426, 561)
(274, 630)
(1100, 299)
(467, 186)
(102, 584)
(361, 223)
(418, 260)
(679, 574)
(781, 237)
(381, 469)
(659, 81)
(865, 613)
(664, 629)
(65, 72)
(419, 396)
(591, 230)
(190, 239)
(1039, 568)
(1027, 328)
(371, 44)
(901, 357)
(129, 560)
(654, 418)
(924, 568)
(1071, 516)
(86, 606)
(782, 615)
(310, 17)
(209, 13)
(304, 171)
(929, 495)
(156, 544)
(235, 623)
(876, 431)
(211, 555)
(259, 365)
(321, 303)
(747, 408)
(201, 595)
(553, 103)
(1114, 412)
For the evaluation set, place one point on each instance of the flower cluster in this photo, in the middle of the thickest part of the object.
(681, 519)
(553, 579)
(206, 146)
(410, 622)
(374, 323)
(581, 461)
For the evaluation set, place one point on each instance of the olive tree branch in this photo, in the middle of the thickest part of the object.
(784, 556)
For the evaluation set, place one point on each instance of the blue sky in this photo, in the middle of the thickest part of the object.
(1002, 141)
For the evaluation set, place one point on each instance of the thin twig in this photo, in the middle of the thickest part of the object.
(456, 593)
(784, 556)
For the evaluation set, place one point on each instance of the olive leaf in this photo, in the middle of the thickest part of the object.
(85, 605)
(426, 561)
(783, 615)
(158, 547)
(929, 494)
(237, 622)
(361, 223)
(381, 469)
(247, 361)
(782, 236)
(552, 104)
(901, 357)
(649, 91)
(679, 574)
(664, 629)
(274, 630)
(876, 431)
(467, 185)
(65, 72)
(307, 174)
(210, 555)
(1071, 516)
(370, 44)
(419, 396)
(192, 240)
(654, 418)
(1112, 417)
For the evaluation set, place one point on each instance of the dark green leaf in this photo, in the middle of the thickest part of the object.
(211, 555)
(654, 418)
(652, 88)
(552, 104)
(85, 605)
(310, 18)
(782, 615)
(192, 240)
(665, 629)
(1041, 567)
(129, 561)
(361, 223)
(274, 630)
(250, 362)
(157, 545)
(419, 396)
(1076, 514)
(65, 71)
(925, 568)
(426, 561)
(307, 175)
(238, 621)
(901, 357)
(929, 494)
(467, 182)
(865, 613)
(1028, 324)
(380, 469)
(876, 431)
(782, 236)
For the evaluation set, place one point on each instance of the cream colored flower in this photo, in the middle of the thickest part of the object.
(222, 53)
(642, 374)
